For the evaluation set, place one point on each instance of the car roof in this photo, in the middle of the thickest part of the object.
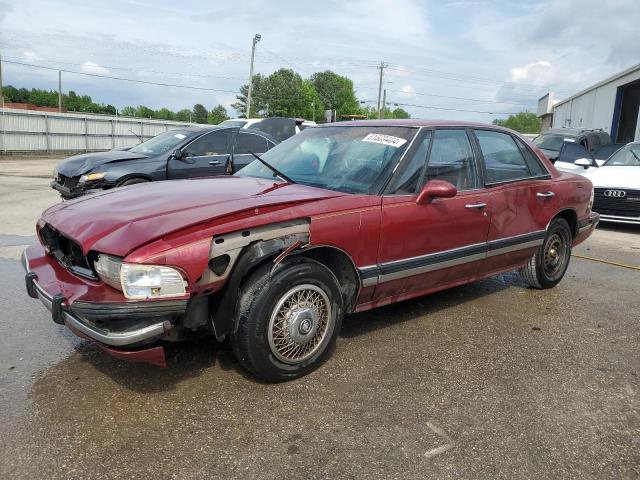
(571, 131)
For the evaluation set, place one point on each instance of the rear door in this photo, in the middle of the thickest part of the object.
(423, 247)
(522, 198)
(247, 142)
(206, 156)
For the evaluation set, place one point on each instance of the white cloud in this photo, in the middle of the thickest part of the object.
(93, 68)
(538, 72)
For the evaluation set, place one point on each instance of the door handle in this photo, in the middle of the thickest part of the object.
(475, 205)
(214, 162)
(545, 194)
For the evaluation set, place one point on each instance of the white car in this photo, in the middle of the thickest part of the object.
(616, 186)
(300, 123)
(240, 122)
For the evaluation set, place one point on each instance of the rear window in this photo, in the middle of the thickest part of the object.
(502, 157)
(549, 141)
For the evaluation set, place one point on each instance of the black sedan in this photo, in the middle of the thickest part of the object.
(181, 153)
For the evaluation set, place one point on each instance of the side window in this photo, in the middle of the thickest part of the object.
(533, 162)
(452, 160)
(502, 158)
(571, 152)
(248, 142)
(407, 181)
(214, 143)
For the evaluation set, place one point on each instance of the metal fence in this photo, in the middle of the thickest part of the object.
(36, 131)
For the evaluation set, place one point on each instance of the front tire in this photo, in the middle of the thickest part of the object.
(547, 267)
(288, 320)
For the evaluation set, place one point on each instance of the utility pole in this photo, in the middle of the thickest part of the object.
(1, 92)
(384, 102)
(60, 91)
(256, 39)
(381, 68)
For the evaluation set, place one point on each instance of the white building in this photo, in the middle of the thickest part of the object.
(612, 105)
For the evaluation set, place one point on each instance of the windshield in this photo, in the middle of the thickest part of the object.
(233, 123)
(627, 156)
(159, 144)
(550, 141)
(342, 158)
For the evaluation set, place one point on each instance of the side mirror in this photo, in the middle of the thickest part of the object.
(176, 155)
(436, 189)
(583, 162)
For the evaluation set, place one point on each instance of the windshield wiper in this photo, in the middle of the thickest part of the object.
(277, 173)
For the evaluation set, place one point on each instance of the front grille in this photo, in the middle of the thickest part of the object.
(68, 182)
(67, 252)
(625, 206)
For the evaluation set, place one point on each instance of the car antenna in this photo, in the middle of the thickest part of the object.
(277, 173)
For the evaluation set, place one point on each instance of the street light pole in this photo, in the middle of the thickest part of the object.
(59, 90)
(381, 68)
(256, 39)
(1, 93)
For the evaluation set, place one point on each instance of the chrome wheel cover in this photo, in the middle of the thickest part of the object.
(299, 323)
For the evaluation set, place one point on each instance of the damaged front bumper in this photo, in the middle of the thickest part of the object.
(80, 189)
(123, 329)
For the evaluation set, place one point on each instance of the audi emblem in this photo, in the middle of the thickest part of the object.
(615, 193)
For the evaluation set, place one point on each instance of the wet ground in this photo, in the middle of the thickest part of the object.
(489, 380)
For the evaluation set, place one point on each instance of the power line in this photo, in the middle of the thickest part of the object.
(123, 79)
(448, 96)
(436, 107)
(112, 67)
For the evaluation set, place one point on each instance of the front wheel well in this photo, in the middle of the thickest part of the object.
(572, 219)
(133, 176)
(342, 267)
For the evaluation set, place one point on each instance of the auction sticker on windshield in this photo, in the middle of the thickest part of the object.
(384, 139)
(180, 136)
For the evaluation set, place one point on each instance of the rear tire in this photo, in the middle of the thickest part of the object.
(288, 321)
(547, 267)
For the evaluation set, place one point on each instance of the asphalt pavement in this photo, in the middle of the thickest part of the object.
(489, 380)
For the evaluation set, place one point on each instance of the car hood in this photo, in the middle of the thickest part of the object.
(81, 164)
(617, 177)
(121, 220)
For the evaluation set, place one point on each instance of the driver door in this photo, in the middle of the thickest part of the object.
(423, 247)
(204, 157)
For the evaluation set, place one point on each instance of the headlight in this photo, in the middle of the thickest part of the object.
(138, 281)
(55, 173)
(593, 194)
(90, 177)
(150, 281)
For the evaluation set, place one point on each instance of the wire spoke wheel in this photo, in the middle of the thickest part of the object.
(555, 255)
(299, 323)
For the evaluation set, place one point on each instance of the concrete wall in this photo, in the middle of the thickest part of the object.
(594, 108)
(33, 131)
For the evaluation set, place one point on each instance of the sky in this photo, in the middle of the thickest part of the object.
(460, 60)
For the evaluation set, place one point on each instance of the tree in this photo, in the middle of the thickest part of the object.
(128, 111)
(284, 93)
(184, 115)
(165, 114)
(523, 122)
(258, 105)
(217, 115)
(144, 112)
(372, 112)
(336, 92)
(200, 113)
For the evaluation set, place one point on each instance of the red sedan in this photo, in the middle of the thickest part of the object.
(341, 218)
